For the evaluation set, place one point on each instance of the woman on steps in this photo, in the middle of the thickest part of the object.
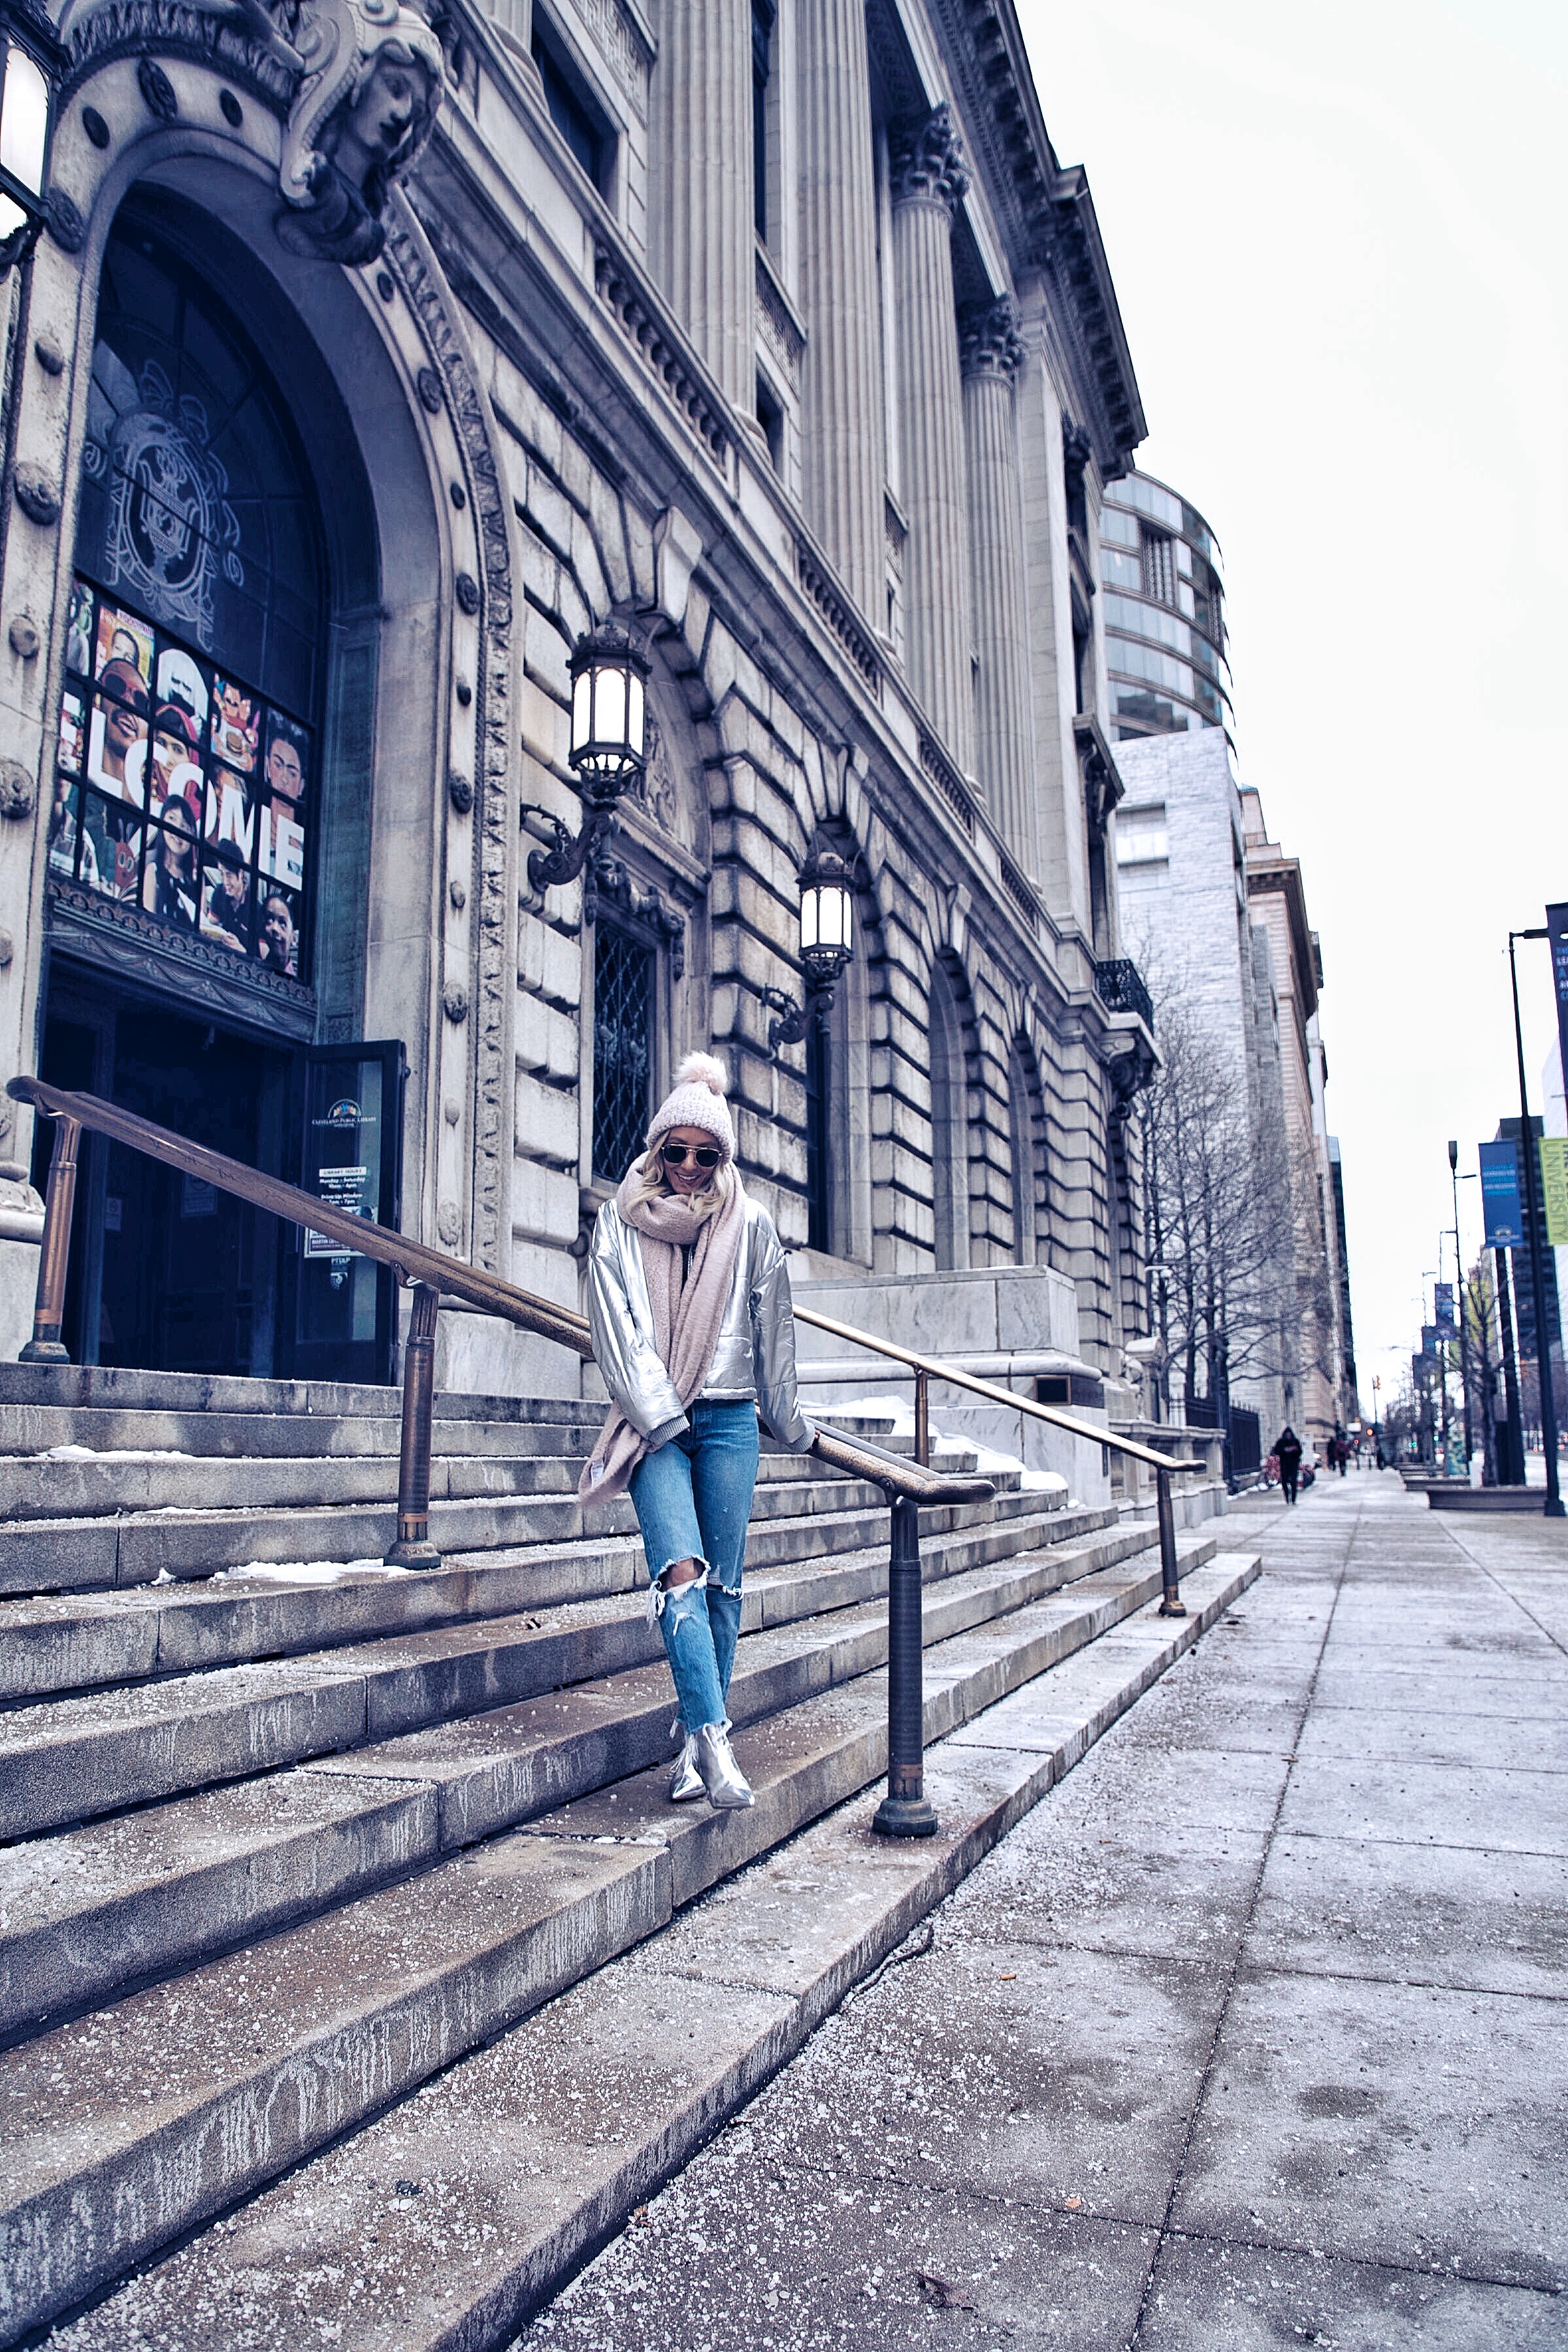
(693, 1330)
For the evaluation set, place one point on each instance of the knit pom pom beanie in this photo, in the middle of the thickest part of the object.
(697, 1099)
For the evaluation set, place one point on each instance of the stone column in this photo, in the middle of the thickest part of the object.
(989, 352)
(700, 230)
(928, 183)
(845, 463)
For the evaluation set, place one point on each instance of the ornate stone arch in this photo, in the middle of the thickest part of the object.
(203, 116)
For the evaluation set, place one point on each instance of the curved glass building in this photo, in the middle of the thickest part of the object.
(1163, 612)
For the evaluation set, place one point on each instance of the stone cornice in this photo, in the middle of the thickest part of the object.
(1046, 215)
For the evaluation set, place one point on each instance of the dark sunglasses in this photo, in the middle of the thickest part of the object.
(675, 1154)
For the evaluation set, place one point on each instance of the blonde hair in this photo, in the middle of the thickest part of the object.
(651, 1182)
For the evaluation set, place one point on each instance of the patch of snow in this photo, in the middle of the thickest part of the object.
(307, 1571)
(112, 1454)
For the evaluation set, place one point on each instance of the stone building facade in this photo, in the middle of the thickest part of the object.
(367, 364)
(1218, 914)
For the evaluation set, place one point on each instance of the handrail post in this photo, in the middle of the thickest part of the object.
(1172, 1604)
(45, 1347)
(413, 1547)
(922, 1418)
(905, 1811)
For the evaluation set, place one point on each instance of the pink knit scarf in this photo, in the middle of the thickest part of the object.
(686, 1320)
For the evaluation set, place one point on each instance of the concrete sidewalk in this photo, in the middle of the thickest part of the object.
(1254, 2034)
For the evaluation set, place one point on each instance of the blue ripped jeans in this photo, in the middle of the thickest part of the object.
(693, 1499)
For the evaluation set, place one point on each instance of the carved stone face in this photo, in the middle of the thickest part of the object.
(394, 97)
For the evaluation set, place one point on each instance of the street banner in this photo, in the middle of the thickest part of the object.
(1429, 1342)
(1557, 933)
(1443, 1309)
(1554, 1187)
(1500, 1203)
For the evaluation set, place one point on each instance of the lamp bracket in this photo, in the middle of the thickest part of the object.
(548, 868)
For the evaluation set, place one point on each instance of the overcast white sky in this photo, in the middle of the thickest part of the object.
(1338, 238)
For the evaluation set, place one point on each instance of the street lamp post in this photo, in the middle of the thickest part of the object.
(1536, 1217)
(1441, 1355)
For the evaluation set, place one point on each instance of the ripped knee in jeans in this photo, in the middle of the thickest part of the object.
(660, 1595)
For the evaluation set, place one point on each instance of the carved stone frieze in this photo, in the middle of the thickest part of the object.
(494, 956)
(609, 881)
(119, 935)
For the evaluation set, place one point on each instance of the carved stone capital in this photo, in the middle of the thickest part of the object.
(926, 161)
(988, 340)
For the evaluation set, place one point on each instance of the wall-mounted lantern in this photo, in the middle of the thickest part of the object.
(827, 944)
(32, 66)
(609, 746)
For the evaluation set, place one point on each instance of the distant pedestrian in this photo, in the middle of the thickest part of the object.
(1288, 1446)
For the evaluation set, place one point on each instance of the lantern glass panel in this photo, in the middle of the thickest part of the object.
(809, 917)
(23, 119)
(582, 711)
(610, 707)
(634, 717)
(848, 905)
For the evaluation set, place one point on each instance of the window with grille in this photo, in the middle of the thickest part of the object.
(1160, 566)
(623, 1027)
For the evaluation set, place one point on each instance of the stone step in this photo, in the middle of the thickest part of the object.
(77, 1485)
(208, 1396)
(133, 1486)
(126, 2128)
(457, 2214)
(75, 1758)
(58, 1644)
(28, 1432)
(95, 1554)
(103, 1906)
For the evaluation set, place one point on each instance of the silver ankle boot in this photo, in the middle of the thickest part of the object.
(686, 1781)
(722, 1777)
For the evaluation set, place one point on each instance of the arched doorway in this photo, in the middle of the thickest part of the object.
(183, 889)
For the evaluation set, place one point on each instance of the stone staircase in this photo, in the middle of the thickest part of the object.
(291, 1835)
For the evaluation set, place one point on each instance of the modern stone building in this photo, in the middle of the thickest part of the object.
(1217, 913)
(369, 363)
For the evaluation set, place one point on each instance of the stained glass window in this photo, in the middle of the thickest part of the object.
(186, 778)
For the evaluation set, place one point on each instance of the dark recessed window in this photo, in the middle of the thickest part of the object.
(762, 68)
(770, 416)
(572, 109)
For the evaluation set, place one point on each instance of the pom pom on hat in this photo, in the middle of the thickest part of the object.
(703, 1070)
(697, 1099)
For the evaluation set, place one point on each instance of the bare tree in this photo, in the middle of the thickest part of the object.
(1221, 1211)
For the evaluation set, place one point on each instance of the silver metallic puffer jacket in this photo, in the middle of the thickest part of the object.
(753, 1361)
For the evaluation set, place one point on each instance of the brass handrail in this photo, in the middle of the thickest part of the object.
(933, 1367)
